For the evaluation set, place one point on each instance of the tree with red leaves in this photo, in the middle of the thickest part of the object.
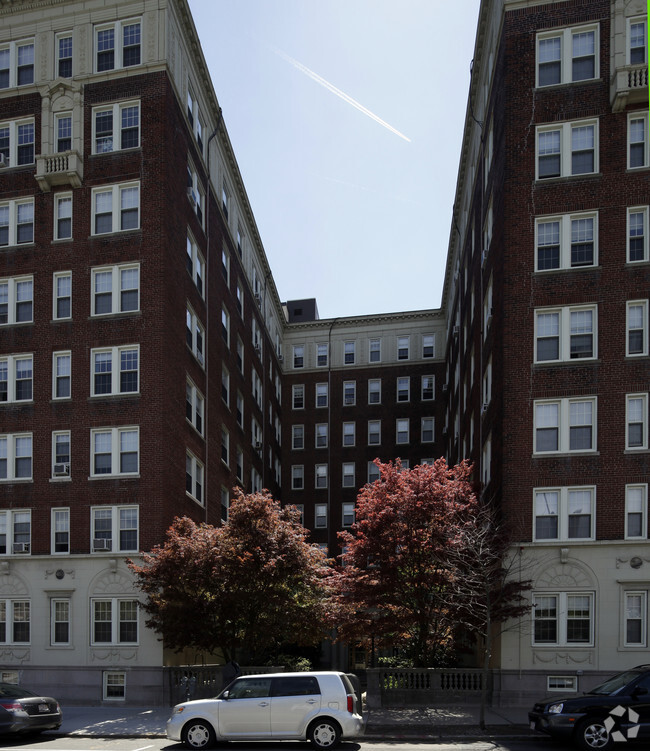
(242, 589)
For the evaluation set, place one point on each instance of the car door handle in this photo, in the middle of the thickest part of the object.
(263, 704)
(312, 701)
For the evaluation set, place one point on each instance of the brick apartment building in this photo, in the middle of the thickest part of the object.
(141, 334)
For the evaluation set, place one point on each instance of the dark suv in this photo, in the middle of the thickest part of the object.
(617, 710)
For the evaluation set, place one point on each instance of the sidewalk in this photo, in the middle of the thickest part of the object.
(381, 724)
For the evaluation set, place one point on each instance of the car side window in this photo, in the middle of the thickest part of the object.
(250, 688)
(295, 686)
(644, 683)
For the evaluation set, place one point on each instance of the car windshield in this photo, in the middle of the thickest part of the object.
(614, 685)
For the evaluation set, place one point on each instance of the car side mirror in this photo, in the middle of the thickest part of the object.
(640, 691)
(225, 695)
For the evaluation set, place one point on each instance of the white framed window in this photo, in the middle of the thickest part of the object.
(117, 45)
(637, 140)
(636, 341)
(636, 619)
(428, 346)
(225, 446)
(225, 266)
(321, 435)
(195, 264)
(116, 127)
(15, 532)
(225, 385)
(349, 433)
(63, 132)
(225, 199)
(115, 208)
(427, 433)
(115, 289)
(348, 478)
(347, 514)
(113, 685)
(114, 529)
(195, 118)
(62, 295)
(562, 683)
(374, 432)
(637, 234)
(194, 474)
(61, 455)
(195, 192)
(239, 347)
(320, 516)
(15, 621)
(16, 221)
(297, 437)
(321, 395)
(568, 55)
(63, 216)
(402, 431)
(194, 406)
(566, 149)
(568, 333)
(115, 370)
(322, 355)
(374, 350)
(637, 44)
(16, 63)
(114, 621)
(349, 393)
(564, 513)
(299, 356)
(16, 300)
(569, 241)
(563, 619)
(404, 389)
(298, 396)
(16, 378)
(373, 472)
(297, 477)
(60, 621)
(403, 347)
(61, 375)
(239, 464)
(239, 299)
(428, 387)
(225, 503)
(60, 528)
(374, 391)
(239, 409)
(565, 425)
(636, 420)
(241, 238)
(349, 353)
(114, 451)
(486, 460)
(256, 387)
(320, 476)
(636, 512)
(17, 142)
(195, 335)
(63, 55)
(15, 456)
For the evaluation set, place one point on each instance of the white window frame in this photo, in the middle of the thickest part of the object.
(563, 427)
(115, 354)
(561, 619)
(636, 504)
(60, 374)
(403, 348)
(374, 350)
(635, 608)
(118, 44)
(113, 514)
(348, 472)
(61, 218)
(322, 354)
(374, 390)
(195, 193)
(349, 434)
(11, 608)
(566, 57)
(565, 231)
(632, 419)
(566, 132)
(643, 305)
(347, 514)
(402, 428)
(428, 346)
(297, 437)
(12, 364)
(643, 22)
(374, 429)
(567, 501)
(14, 59)
(298, 396)
(9, 454)
(63, 132)
(195, 264)
(117, 211)
(117, 290)
(116, 135)
(633, 233)
(637, 117)
(194, 406)
(15, 222)
(321, 435)
(195, 332)
(225, 446)
(427, 426)
(298, 356)
(349, 352)
(320, 516)
(297, 477)
(425, 391)
(564, 333)
(114, 685)
(59, 58)
(15, 288)
(55, 619)
(61, 464)
(20, 131)
(373, 472)
(403, 389)
(115, 621)
(60, 523)
(349, 393)
(320, 476)
(321, 395)
(9, 519)
(115, 451)
(195, 474)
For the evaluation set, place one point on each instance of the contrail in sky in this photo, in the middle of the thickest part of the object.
(341, 94)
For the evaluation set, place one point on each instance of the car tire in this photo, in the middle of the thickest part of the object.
(199, 734)
(324, 733)
(592, 735)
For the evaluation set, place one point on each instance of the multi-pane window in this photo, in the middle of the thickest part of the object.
(114, 451)
(564, 513)
(194, 118)
(15, 532)
(565, 334)
(225, 266)
(114, 528)
(17, 64)
(195, 193)
(63, 216)
(225, 446)
(59, 621)
(567, 149)
(374, 350)
(321, 435)
(15, 621)
(564, 425)
(563, 618)
(115, 208)
(374, 391)
(61, 454)
(299, 356)
(239, 410)
(636, 619)
(402, 431)
(403, 346)
(636, 512)
(567, 55)
(637, 49)
(298, 396)
(61, 375)
(194, 406)
(63, 132)
(428, 387)
(115, 370)
(297, 477)
(374, 432)
(427, 430)
(373, 472)
(320, 516)
(566, 242)
(16, 456)
(428, 346)
(637, 328)
(320, 476)
(114, 621)
(636, 418)
(348, 475)
(239, 299)
(115, 289)
(637, 140)
(349, 393)
(17, 143)
(322, 351)
(195, 264)
(16, 300)
(637, 234)
(347, 512)
(16, 378)
(225, 199)
(297, 436)
(117, 45)
(349, 433)
(225, 326)
(239, 464)
(60, 522)
(403, 389)
(195, 335)
(16, 222)
(321, 395)
(225, 385)
(194, 472)
(64, 55)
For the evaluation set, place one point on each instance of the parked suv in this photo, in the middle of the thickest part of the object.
(320, 707)
(617, 710)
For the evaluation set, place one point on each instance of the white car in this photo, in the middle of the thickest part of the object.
(320, 707)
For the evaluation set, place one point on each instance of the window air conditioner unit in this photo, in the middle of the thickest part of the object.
(21, 547)
(193, 196)
(101, 544)
(62, 470)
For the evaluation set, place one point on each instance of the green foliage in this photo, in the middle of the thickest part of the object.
(292, 663)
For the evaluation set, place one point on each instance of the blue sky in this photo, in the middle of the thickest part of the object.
(346, 118)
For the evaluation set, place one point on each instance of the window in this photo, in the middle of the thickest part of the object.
(374, 391)
(195, 264)
(64, 55)
(404, 389)
(428, 387)
(347, 514)
(565, 334)
(225, 385)
(565, 425)
(115, 289)
(115, 370)
(60, 526)
(637, 47)
(239, 410)
(63, 130)
(427, 432)
(195, 193)
(374, 350)
(225, 199)
(636, 512)
(567, 149)
(239, 464)
(349, 393)
(257, 387)
(117, 45)
(374, 432)
(349, 351)
(194, 406)
(637, 234)
(17, 142)
(15, 532)
(322, 358)
(320, 516)
(637, 140)
(114, 685)
(239, 299)
(297, 437)
(114, 451)
(59, 621)
(636, 610)
(114, 621)
(567, 55)
(637, 328)
(299, 356)
(297, 477)
(562, 619)
(636, 416)
(194, 118)
(116, 208)
(402, 431)
(63, 216)
(402, 347)
(61, 454)
(321, 435)
(16, 64)
(225, 266)
(428, 346)
(320, 474)
(240, 355)
(348, 476)
(116, 127)
(349, 433)
(16, 378)
(225, 446)
(564, 513)
(195, 335)
(321, 395)
(16, 300)
(14, 621)
(373, 472)
(194, 477)
(61, 375)
(16, 456)
(114, 529)
(16, 222)
(566, 242)
(225, 504)
(298, 396)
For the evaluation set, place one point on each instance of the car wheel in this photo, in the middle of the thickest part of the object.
(592, 735)
(324, 733)
(198, 734)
